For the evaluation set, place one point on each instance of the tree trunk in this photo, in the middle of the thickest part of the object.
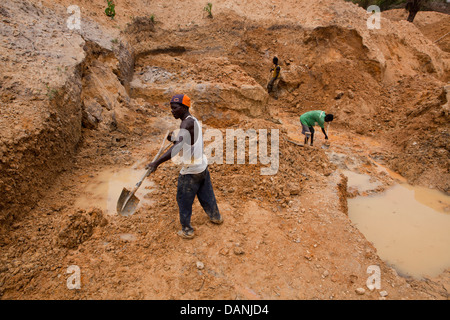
(413, 6)
(411, 16)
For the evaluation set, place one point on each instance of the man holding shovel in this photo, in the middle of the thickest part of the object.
(194, 179)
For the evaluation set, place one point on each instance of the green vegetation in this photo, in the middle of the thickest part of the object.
(152, 18)
(208, 9)
(110, 11)
(115, 41)
(51, 92)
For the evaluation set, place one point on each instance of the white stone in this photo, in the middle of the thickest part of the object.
(383, 293)
(360, 291)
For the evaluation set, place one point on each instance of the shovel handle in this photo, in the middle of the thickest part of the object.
(149, 171)
(162, 146)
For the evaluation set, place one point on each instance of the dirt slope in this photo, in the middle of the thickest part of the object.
(434, 25)
(79, 103)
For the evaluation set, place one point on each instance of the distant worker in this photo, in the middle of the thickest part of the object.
(194, 179)
(275, 75)
(311, 118)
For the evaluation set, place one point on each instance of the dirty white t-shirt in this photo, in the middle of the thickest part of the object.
(194, 161)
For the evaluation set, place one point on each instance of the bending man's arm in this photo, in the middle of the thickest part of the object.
(323, 130)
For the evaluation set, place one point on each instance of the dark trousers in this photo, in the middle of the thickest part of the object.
(271, 84)
(189, 186)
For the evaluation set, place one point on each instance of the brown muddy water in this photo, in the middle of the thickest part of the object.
(103, 190)
(409, 225)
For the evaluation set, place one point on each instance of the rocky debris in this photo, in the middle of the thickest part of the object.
(238, 251)
(141, 27)
(91, 114)
(350, 94)
(156, 75)
(338, 94)
(79, 226)
(213, 84)
(360, 291)
(383, 293)
(127, 237)
(343, 193)
(228, 57)
(428, 147)
(103, 95)
(446, 106)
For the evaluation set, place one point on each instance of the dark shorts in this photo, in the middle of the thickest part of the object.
(307, 131)
(272, 83)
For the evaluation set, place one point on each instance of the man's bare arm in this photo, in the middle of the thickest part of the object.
(188, 126)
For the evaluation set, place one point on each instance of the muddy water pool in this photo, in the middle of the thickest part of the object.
(408, 225)
(103, 190)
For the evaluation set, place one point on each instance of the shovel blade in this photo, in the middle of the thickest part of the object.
(127, 205)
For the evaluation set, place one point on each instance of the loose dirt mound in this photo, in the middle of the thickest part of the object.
(434, 25)
(79, 227)
(80, 102)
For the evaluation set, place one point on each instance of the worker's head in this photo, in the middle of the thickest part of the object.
(181, 99)
(275, 60)
(329, 117)
(179, 105)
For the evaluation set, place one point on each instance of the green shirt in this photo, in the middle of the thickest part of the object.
(311, 118)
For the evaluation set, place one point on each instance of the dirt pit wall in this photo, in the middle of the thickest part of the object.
(44, 64)
(40, 114)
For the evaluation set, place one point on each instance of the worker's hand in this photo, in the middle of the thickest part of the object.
(153, 166)
(326, 137)
(170, 137)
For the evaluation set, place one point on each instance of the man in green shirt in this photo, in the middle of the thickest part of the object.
(312, 118)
